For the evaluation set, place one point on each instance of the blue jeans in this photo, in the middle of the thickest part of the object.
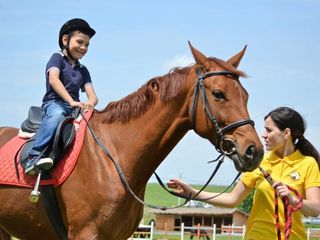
(53, 112)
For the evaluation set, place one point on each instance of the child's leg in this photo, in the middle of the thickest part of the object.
(53, 113)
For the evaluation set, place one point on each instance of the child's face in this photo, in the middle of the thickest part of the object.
(78, 44)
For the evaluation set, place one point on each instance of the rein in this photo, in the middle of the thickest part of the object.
(288, 209)
(128, 188)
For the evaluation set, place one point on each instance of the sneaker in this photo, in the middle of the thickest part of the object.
(44, 164)
(31, 168)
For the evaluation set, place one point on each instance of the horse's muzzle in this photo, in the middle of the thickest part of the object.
(248, 161)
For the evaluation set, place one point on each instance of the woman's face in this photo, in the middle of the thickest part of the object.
(274, 138)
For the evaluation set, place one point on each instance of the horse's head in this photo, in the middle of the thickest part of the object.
(218, 109)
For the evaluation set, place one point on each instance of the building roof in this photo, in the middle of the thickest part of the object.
(197, 211)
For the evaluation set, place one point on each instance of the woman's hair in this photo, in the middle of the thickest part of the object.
(285, 117)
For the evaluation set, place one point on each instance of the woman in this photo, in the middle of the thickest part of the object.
(291, 160)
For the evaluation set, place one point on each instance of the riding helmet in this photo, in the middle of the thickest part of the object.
(75, 24)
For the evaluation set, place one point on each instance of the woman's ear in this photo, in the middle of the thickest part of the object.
(287, 132)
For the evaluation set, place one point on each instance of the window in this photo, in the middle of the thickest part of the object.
(177, 223)
(197, 220)
(187, 220)
(227, 220)
(207, 221)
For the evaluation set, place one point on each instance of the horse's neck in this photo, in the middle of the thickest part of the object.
(143, 143)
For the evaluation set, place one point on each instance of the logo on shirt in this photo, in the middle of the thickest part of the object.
(295, 175)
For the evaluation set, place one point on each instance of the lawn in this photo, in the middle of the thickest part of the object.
(156, 195)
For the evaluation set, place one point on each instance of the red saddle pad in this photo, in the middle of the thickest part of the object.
(12, 173)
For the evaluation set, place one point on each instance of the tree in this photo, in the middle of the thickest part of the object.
(246, 204)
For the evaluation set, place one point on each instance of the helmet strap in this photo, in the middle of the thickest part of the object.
(68, 49)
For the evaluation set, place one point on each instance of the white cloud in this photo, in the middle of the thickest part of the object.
(178, 61)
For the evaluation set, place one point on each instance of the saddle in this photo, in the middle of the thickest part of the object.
(63, 138)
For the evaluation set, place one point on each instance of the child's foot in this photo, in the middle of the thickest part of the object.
(31, 168)
(45, 164)
(34, 165)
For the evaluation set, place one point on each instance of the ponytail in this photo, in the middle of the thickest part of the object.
(306, 148)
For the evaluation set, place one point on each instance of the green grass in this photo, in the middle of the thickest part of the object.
(156, 195)
(187, 236)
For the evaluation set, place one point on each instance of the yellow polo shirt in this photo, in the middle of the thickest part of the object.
(300, 172)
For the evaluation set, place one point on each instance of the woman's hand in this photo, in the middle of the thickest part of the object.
(180, 187)
(283, 191)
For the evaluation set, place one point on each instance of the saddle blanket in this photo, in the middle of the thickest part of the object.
(12, 173)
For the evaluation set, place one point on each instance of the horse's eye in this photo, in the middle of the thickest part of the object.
(218, 95)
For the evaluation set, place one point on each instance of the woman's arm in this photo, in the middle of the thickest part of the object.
(311, 205)
(232, 199)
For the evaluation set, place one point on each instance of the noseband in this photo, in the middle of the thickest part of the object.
(200, 88)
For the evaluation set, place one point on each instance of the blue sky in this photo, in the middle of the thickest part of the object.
(137, 40)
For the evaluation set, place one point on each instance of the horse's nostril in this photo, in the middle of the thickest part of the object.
(250, 152)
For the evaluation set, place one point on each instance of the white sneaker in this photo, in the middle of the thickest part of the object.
(44, 164)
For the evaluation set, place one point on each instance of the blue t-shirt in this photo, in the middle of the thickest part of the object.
(73, 78)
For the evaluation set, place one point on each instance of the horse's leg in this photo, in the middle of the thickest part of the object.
(4, 235)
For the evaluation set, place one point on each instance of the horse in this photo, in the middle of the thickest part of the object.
(139, 131)
(201, 233)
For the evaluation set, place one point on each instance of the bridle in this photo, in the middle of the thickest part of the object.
(200, 89)
(219, 146)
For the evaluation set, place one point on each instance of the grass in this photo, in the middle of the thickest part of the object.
(187, 236)
(156, 195)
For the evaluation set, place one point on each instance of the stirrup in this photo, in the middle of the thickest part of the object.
(35, 194)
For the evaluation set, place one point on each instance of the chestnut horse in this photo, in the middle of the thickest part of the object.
(139, 131)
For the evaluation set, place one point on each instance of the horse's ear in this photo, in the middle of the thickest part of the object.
(200, 58)
(235, 60)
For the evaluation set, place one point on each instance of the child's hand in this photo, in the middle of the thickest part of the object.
(88, 106)
(75, 104)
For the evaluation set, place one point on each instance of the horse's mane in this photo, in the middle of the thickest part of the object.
(138, 102)
(170, 86)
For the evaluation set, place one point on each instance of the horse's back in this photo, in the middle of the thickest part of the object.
(6, 133)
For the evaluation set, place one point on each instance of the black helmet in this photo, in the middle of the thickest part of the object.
(75, 24)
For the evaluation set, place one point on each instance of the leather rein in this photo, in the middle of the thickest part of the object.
(199, 89)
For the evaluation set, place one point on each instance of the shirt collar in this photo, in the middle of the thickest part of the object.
(290, 159)
(68, 60)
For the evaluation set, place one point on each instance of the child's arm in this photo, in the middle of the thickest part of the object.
(58, 87)
(92, 97)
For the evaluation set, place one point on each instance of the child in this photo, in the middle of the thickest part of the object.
(65, 76)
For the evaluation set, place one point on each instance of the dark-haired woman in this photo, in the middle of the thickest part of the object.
(291, 160)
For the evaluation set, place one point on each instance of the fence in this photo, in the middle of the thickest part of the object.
(200, 232)
(313, 233)
(186, 232)
(143, 232)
